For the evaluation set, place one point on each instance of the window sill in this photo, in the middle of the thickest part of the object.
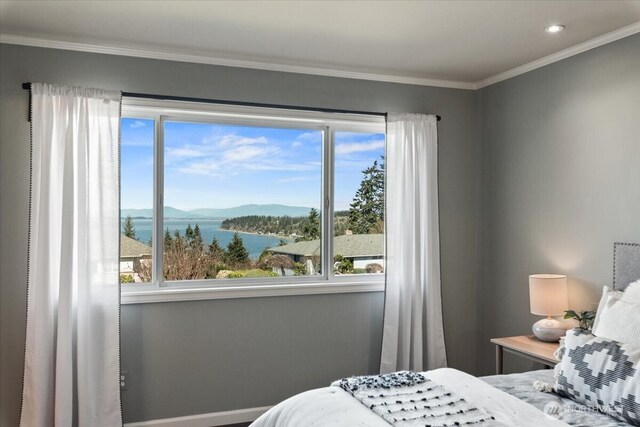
(169, 294)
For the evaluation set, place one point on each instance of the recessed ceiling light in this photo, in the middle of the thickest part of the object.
(556, 28)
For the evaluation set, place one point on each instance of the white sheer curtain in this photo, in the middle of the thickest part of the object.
(72, 353)
(413, 336)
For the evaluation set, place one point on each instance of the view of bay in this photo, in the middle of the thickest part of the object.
(209, 228)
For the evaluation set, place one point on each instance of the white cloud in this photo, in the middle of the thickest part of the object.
(208, 167)
(235, 140)
(245, 152)
(137, 124)
(277, 165)
(223, 155)
(184, 152)
(139, 142)
(357, 147)
(227, 162)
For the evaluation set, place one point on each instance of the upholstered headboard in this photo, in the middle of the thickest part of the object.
(626, 264)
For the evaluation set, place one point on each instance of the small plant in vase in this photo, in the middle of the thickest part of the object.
(584, 318)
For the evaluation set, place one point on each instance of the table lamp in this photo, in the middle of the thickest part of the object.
(548, 297)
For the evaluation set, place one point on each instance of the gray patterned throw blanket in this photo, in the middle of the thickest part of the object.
(409, 399)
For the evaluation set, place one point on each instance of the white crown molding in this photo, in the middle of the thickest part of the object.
(206, 420)
(212, 60)
(563, 54)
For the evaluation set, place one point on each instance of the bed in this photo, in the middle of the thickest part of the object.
(487, 401)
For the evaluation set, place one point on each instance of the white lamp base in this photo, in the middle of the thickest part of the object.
(549, 329)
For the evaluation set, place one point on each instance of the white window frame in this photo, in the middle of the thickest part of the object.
(160, 290)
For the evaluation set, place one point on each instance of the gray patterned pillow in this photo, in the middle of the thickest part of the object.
(602, 374)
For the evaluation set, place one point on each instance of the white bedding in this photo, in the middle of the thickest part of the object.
(335, 407)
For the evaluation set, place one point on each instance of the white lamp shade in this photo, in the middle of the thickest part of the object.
(548, 294)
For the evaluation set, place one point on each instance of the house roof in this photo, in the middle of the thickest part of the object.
(131, 248)
(348, 245)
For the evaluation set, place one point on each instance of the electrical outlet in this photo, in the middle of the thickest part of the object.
(124, 380)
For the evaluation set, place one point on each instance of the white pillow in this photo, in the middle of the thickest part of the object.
(632, 293)
(607, 293)
(618, 317)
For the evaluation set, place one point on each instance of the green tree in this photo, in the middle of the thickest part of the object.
(342, 265)
(168, 240)
(188, 233)
(178, 242)
(129, 228)
(236, 252)
(299, 269)
(196, 241)
(367, 210)
(311, 228)
(216, 251)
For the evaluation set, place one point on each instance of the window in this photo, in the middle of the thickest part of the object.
(358, 245)
(136, 198)
(219, 197)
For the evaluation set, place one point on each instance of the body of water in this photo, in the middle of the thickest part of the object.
(209, 228)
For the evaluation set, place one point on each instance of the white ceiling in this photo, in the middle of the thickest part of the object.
(457, 41)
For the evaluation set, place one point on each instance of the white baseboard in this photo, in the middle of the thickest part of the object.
(206, 420)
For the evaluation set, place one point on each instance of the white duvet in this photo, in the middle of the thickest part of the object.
(332, 406)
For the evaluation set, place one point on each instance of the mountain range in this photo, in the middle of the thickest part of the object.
(234, 212)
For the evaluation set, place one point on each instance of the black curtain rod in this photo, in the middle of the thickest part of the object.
(27, 86)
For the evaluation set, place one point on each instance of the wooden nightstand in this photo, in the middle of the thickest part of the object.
(526, 346)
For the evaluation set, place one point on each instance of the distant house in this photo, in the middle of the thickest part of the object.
(132, 252)
(360, 249)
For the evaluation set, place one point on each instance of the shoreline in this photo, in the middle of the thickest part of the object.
(183, 222)
(275, 236)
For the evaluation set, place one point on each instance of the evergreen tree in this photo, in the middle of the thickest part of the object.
(311, 228)
(177, 241)
(236, 252)
(168, 240)
(367, 210)
(188, 233)
(129, 228)
(196, 242)
(216, 251)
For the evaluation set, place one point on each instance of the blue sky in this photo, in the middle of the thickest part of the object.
(220, 166)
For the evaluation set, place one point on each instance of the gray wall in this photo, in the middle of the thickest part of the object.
(561, 182)
(197, 357)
